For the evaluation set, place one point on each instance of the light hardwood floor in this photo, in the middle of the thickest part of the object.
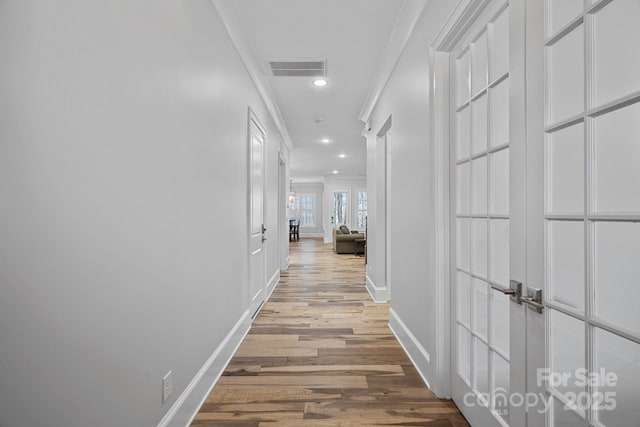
(320, 354)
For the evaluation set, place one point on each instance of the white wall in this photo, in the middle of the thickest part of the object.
(412, 215)
(317, 189)
(123, 178)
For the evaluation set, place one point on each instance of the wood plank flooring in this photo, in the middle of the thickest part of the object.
(320, 354)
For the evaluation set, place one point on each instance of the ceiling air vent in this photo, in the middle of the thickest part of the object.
(297, 68)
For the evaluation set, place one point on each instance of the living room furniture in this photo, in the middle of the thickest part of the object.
(294, 230)
(344, 240)
(359, 243)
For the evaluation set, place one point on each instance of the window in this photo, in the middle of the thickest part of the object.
(362, 210)
(305, 209)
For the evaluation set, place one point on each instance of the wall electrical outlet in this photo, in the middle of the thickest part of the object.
(167, 386)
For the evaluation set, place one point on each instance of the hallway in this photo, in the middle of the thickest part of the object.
(320, 354)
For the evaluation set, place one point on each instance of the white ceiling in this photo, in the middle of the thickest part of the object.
(352, 36)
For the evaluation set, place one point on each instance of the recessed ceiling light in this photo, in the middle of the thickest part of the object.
(320, 82)
(325, 140)
(335, 172)
(342, 155)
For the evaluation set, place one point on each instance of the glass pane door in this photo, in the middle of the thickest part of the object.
(481, 384)
(340, 205)
(592, 211)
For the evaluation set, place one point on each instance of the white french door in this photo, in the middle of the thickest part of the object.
(555, 205)
(589, 215)
(340, 202)
(480, 161)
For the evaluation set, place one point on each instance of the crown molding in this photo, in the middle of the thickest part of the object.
(410, 12)
(228, 14)
(460, 20)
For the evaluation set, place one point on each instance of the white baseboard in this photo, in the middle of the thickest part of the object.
(186, 407)
(273, 282)
(327, 239)
(416, 352)
(378, 295)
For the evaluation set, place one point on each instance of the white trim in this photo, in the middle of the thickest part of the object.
(287, 261)
(229, 16)
(406, 20)
(187, 405)
(460, 20)
(440, 88)
(272, 284)
(378, 295)
(418, 355)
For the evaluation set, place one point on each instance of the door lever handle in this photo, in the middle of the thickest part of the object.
(534, 300)
(514, 290)
(506, 291)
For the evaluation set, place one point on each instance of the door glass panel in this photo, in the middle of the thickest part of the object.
(499, 271)
(481, 367)
(462, 182)
(501, 386)
(479, 125)
(463, 295)
(617, 70)
(463, 79)
(565, 174)
(479, 183)
(500, 182)
(462, 245)
(499, 320)
(480, 304)
(500, 113)
(464, 354)
(564, 417)
(617, 273)
(500, 51)
(617, 156)
(340, 207)
(565, 258)
(620, 359)
(566, 79)
(566, 353)
(480, 247)
(561, 13)
(479, 63)
(463, 133)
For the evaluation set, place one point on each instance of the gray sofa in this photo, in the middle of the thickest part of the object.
(344, 241)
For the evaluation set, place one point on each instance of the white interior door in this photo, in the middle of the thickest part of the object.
(590, 213)
(257, 273)
(480, 156)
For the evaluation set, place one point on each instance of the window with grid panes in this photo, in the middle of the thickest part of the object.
(305, 209)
